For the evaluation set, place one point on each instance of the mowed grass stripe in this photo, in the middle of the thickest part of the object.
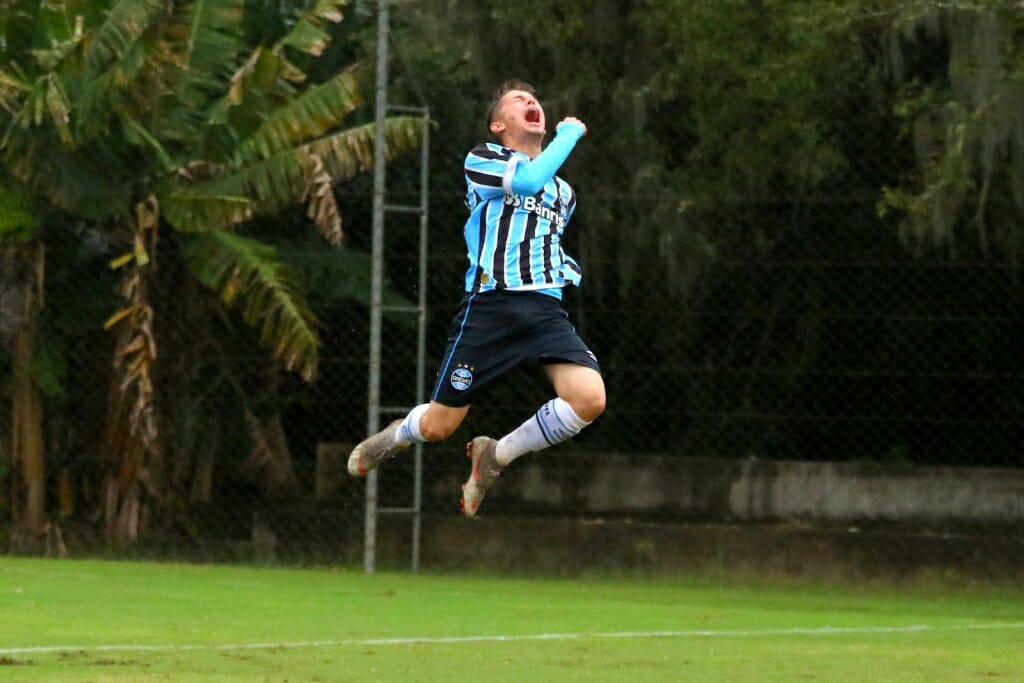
(700, 633)
(205, 623)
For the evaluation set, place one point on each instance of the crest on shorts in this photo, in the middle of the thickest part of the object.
(462, 377)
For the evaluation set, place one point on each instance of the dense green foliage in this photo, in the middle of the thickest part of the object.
(799, 222)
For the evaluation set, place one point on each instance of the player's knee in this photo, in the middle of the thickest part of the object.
(436, 430)
(590, 404)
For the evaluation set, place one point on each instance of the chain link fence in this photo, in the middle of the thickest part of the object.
(779, 359)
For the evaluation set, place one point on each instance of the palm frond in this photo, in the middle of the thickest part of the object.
(264, 80)
(90, 182)
(310, 114)
(127, 22)
(238, 268)
(45, 100)
(209, 33)
(308, 35)
(58, 107)
(13, 88)
(306, 173)
(94, 104)
(236, 88)
(271, 185)
(214, 33)
(190, 210)
(51, 58)
(267, 75)
(19, 22)
(136, 134)
(103, 96)
(322, 207)
(351, 151)
(326, 10)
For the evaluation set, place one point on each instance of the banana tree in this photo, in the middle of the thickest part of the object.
(20, 300)
(153, 118)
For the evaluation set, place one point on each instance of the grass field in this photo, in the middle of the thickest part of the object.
(90, 620)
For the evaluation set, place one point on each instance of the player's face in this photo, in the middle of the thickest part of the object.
(520, 111)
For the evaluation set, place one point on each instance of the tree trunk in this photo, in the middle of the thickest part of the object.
(269, 464)
(201, 490)
(126, 455)
(65, 493)
(21, 287)
(124, 508)
(131, 442)
(27, 434)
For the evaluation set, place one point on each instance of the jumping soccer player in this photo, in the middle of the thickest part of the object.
(512, 313)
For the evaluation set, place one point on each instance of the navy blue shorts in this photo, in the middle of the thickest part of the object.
(496, 331)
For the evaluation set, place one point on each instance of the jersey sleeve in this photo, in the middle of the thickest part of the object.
(529, 177)
(485, 169)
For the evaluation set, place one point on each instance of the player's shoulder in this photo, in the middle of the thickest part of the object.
(489, 151)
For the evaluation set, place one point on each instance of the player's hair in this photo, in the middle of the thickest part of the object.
(499, 92)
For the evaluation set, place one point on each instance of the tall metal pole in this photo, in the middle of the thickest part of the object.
(376, 281)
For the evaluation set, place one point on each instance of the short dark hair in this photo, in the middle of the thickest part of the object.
(499, 92)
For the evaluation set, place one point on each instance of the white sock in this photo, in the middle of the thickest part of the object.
(554, 423)
(409, 431)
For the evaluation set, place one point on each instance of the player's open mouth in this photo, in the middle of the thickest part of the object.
(533, 115)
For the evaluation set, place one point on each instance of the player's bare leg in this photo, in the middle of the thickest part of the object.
(439, 421)
(579, 386)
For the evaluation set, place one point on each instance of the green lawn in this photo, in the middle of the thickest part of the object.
(78, 620)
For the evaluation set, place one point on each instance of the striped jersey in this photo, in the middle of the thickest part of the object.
(514, 242)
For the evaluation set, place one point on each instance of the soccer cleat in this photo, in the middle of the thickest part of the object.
(481, 451)
(374, 450)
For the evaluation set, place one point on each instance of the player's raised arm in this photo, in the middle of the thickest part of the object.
(528, 177)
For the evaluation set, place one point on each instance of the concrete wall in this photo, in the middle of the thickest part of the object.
(564, 512)
(741, 550)
(754, 490)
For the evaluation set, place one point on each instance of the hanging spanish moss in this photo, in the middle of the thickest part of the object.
(966, 125)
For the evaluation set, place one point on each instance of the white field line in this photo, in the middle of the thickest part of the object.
(446, 640)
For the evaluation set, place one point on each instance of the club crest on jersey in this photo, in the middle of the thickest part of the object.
(461, 378)
(533, 205)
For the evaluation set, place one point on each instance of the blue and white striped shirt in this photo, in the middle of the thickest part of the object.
(514, 241)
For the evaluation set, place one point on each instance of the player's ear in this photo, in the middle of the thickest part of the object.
(498, 127)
